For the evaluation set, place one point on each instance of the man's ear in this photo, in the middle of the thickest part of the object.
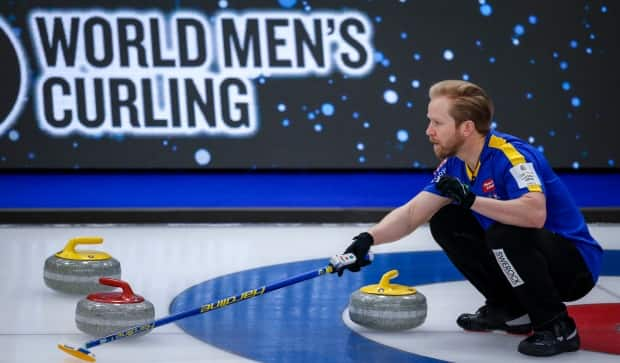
(468, 127)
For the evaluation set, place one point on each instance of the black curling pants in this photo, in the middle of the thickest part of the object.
(524, 270)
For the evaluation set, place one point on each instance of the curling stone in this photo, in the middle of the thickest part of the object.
(386, 306)
(78, 271)
(104, 313)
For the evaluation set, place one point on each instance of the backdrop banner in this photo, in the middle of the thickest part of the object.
(286, 84)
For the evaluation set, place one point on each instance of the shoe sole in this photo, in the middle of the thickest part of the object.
(564, 347)
(511, 332)
(517, 330)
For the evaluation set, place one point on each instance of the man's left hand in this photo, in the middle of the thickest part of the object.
(451, 187)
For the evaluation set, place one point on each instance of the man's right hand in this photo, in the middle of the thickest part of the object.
(451, 187)
(360, 248)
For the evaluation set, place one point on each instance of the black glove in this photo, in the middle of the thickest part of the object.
(360, 247)
(451, 187)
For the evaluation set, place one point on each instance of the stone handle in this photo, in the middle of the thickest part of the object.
(70, 247)
(385, 279)
(127, 293)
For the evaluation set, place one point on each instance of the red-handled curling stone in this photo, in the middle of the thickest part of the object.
(103, 313)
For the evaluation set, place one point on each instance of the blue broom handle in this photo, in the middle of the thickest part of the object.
(211, 306)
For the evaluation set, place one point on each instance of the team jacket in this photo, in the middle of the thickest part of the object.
(509, 168)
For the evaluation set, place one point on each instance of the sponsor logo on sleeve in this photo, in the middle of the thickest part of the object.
(525, 175)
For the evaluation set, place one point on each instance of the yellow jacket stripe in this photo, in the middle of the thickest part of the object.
(512, 154)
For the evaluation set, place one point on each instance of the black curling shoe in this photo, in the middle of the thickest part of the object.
(492, 318)
(557, 337)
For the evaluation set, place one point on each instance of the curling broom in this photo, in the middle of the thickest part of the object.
(336, 263)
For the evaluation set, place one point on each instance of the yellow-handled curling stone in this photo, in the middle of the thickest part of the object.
(78, 271)
(103, 313)
(387, 306)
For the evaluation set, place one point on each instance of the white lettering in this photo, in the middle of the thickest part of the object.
(146, 73)
(509, 271)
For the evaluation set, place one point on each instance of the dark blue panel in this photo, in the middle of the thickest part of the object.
(251, 189)
(594, 190)
(102, 190)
